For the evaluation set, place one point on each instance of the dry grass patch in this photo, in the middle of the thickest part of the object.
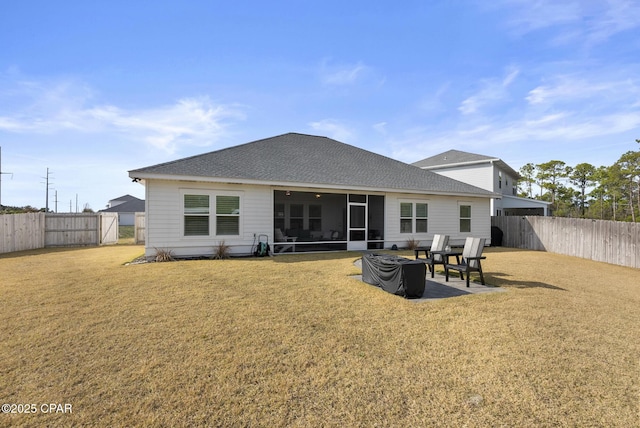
(294, 341)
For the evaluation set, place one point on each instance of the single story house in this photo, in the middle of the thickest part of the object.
(126, 206)
(303, 193)
(489, 173)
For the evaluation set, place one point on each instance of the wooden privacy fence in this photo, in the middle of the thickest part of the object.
(66, 230)
(19, 232)
(600, 240)
(29, 231)
(139, 230)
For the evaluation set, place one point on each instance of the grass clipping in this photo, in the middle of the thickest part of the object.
(294, 341)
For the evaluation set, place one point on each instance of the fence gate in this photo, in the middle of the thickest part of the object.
(109, 228)
(139, 231)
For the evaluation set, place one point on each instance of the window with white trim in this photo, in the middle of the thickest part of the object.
(414, 217)
(196, 215)
(227, 215)
(465, 218)
(201, 220)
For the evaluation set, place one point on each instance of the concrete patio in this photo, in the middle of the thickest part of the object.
(437, 288)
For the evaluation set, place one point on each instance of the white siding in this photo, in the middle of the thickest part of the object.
(127, 219)
(507, 182)
(444, 218)
(481, 175)
(165, 216)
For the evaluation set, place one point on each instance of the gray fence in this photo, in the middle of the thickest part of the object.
(19, 232)
(605, 241)
(68, 230)
(139, 232)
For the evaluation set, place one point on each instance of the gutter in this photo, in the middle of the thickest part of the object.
(283, 184)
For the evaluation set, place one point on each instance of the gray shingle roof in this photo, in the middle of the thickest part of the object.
(306, 159)
(131, 206)
(453, 157)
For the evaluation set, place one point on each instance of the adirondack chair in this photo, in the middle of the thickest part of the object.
(439, 243)
(470, 261)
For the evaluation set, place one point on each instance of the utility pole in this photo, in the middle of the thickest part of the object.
(47, 192)
(1, 172)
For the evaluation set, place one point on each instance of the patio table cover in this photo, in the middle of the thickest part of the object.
(396, 275)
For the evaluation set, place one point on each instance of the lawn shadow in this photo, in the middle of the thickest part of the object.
(41, 251)
(502, 280)
(435, 290)
(311, 257)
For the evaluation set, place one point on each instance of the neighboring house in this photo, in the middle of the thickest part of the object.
(306, 193)
(126, 206)
(488, 173)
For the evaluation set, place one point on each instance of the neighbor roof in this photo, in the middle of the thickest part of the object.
(454, 158)
(125, 198)
(299, 159)
(134, 205)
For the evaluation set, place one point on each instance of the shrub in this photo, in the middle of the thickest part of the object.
(412, 244)
(221, 251)
(164, 255)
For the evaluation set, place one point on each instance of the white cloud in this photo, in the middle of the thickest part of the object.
(380, 127)
(492, 91)
(348, 75)
(621, 15)
(571, 88)
(344, 74)
(68, 106)
(577, 20)
(530, 15)
(558, 129)
(333, 129)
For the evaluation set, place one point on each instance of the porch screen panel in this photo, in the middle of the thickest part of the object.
(196, 215)
(357, 216)
(227, 215)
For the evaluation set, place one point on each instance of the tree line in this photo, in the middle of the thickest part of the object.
(584, 190)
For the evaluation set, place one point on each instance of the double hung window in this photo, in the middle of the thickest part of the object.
(201, 220)
(465, 218)
(196, 215)
(414, 217)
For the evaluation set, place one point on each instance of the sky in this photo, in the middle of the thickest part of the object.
(92, 89)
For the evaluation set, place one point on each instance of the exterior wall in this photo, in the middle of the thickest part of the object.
(508, 183)
(443, 218)
(487, 176)
(480, 175)
(165, 217)
(127, 219)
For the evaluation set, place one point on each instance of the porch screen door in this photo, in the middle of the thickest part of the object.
(357, 231)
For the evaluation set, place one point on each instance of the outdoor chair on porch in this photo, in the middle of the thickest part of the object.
(470, 261)
(439, 244)
(280, 237)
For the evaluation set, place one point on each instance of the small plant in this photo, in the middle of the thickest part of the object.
(164, 255)
(221, 251)
(412, 244)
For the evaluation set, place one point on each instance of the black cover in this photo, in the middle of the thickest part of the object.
(496, 236)
(396, 275)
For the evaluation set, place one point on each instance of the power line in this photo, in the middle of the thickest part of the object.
(1, 172)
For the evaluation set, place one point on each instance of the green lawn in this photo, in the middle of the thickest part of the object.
(295, 341)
